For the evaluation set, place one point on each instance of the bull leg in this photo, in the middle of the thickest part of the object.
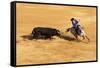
(45, 37)
(50, 38)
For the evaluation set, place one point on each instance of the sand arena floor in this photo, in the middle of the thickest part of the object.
(55, 50)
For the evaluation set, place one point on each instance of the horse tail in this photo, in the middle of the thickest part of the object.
(68, 30)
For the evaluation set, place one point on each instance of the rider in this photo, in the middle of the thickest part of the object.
(75, 24)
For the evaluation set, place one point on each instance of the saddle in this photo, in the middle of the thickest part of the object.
(77, 30)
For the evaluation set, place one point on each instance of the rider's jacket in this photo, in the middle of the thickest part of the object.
(74, 23)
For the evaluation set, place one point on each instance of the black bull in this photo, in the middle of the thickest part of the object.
(45, 33)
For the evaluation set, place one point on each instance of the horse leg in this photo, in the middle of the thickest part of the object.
(83, 37)
(87, 38)
(76, 37)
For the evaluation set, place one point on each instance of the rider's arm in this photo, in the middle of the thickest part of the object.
(76, 21)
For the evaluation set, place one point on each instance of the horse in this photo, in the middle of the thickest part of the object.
(80, 32)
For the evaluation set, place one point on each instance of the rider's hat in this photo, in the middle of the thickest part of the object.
(72, 19)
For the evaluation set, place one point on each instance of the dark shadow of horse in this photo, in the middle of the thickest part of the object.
(68, 38)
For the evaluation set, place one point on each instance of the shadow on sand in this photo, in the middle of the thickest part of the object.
(67, 38)
(29, 37)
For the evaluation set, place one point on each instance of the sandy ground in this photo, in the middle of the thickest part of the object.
(58, 49)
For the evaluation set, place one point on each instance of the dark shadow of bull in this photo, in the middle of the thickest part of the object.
(29, 37)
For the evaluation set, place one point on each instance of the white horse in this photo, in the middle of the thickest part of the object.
(80, 32)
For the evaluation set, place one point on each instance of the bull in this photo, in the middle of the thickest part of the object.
(44, 32)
